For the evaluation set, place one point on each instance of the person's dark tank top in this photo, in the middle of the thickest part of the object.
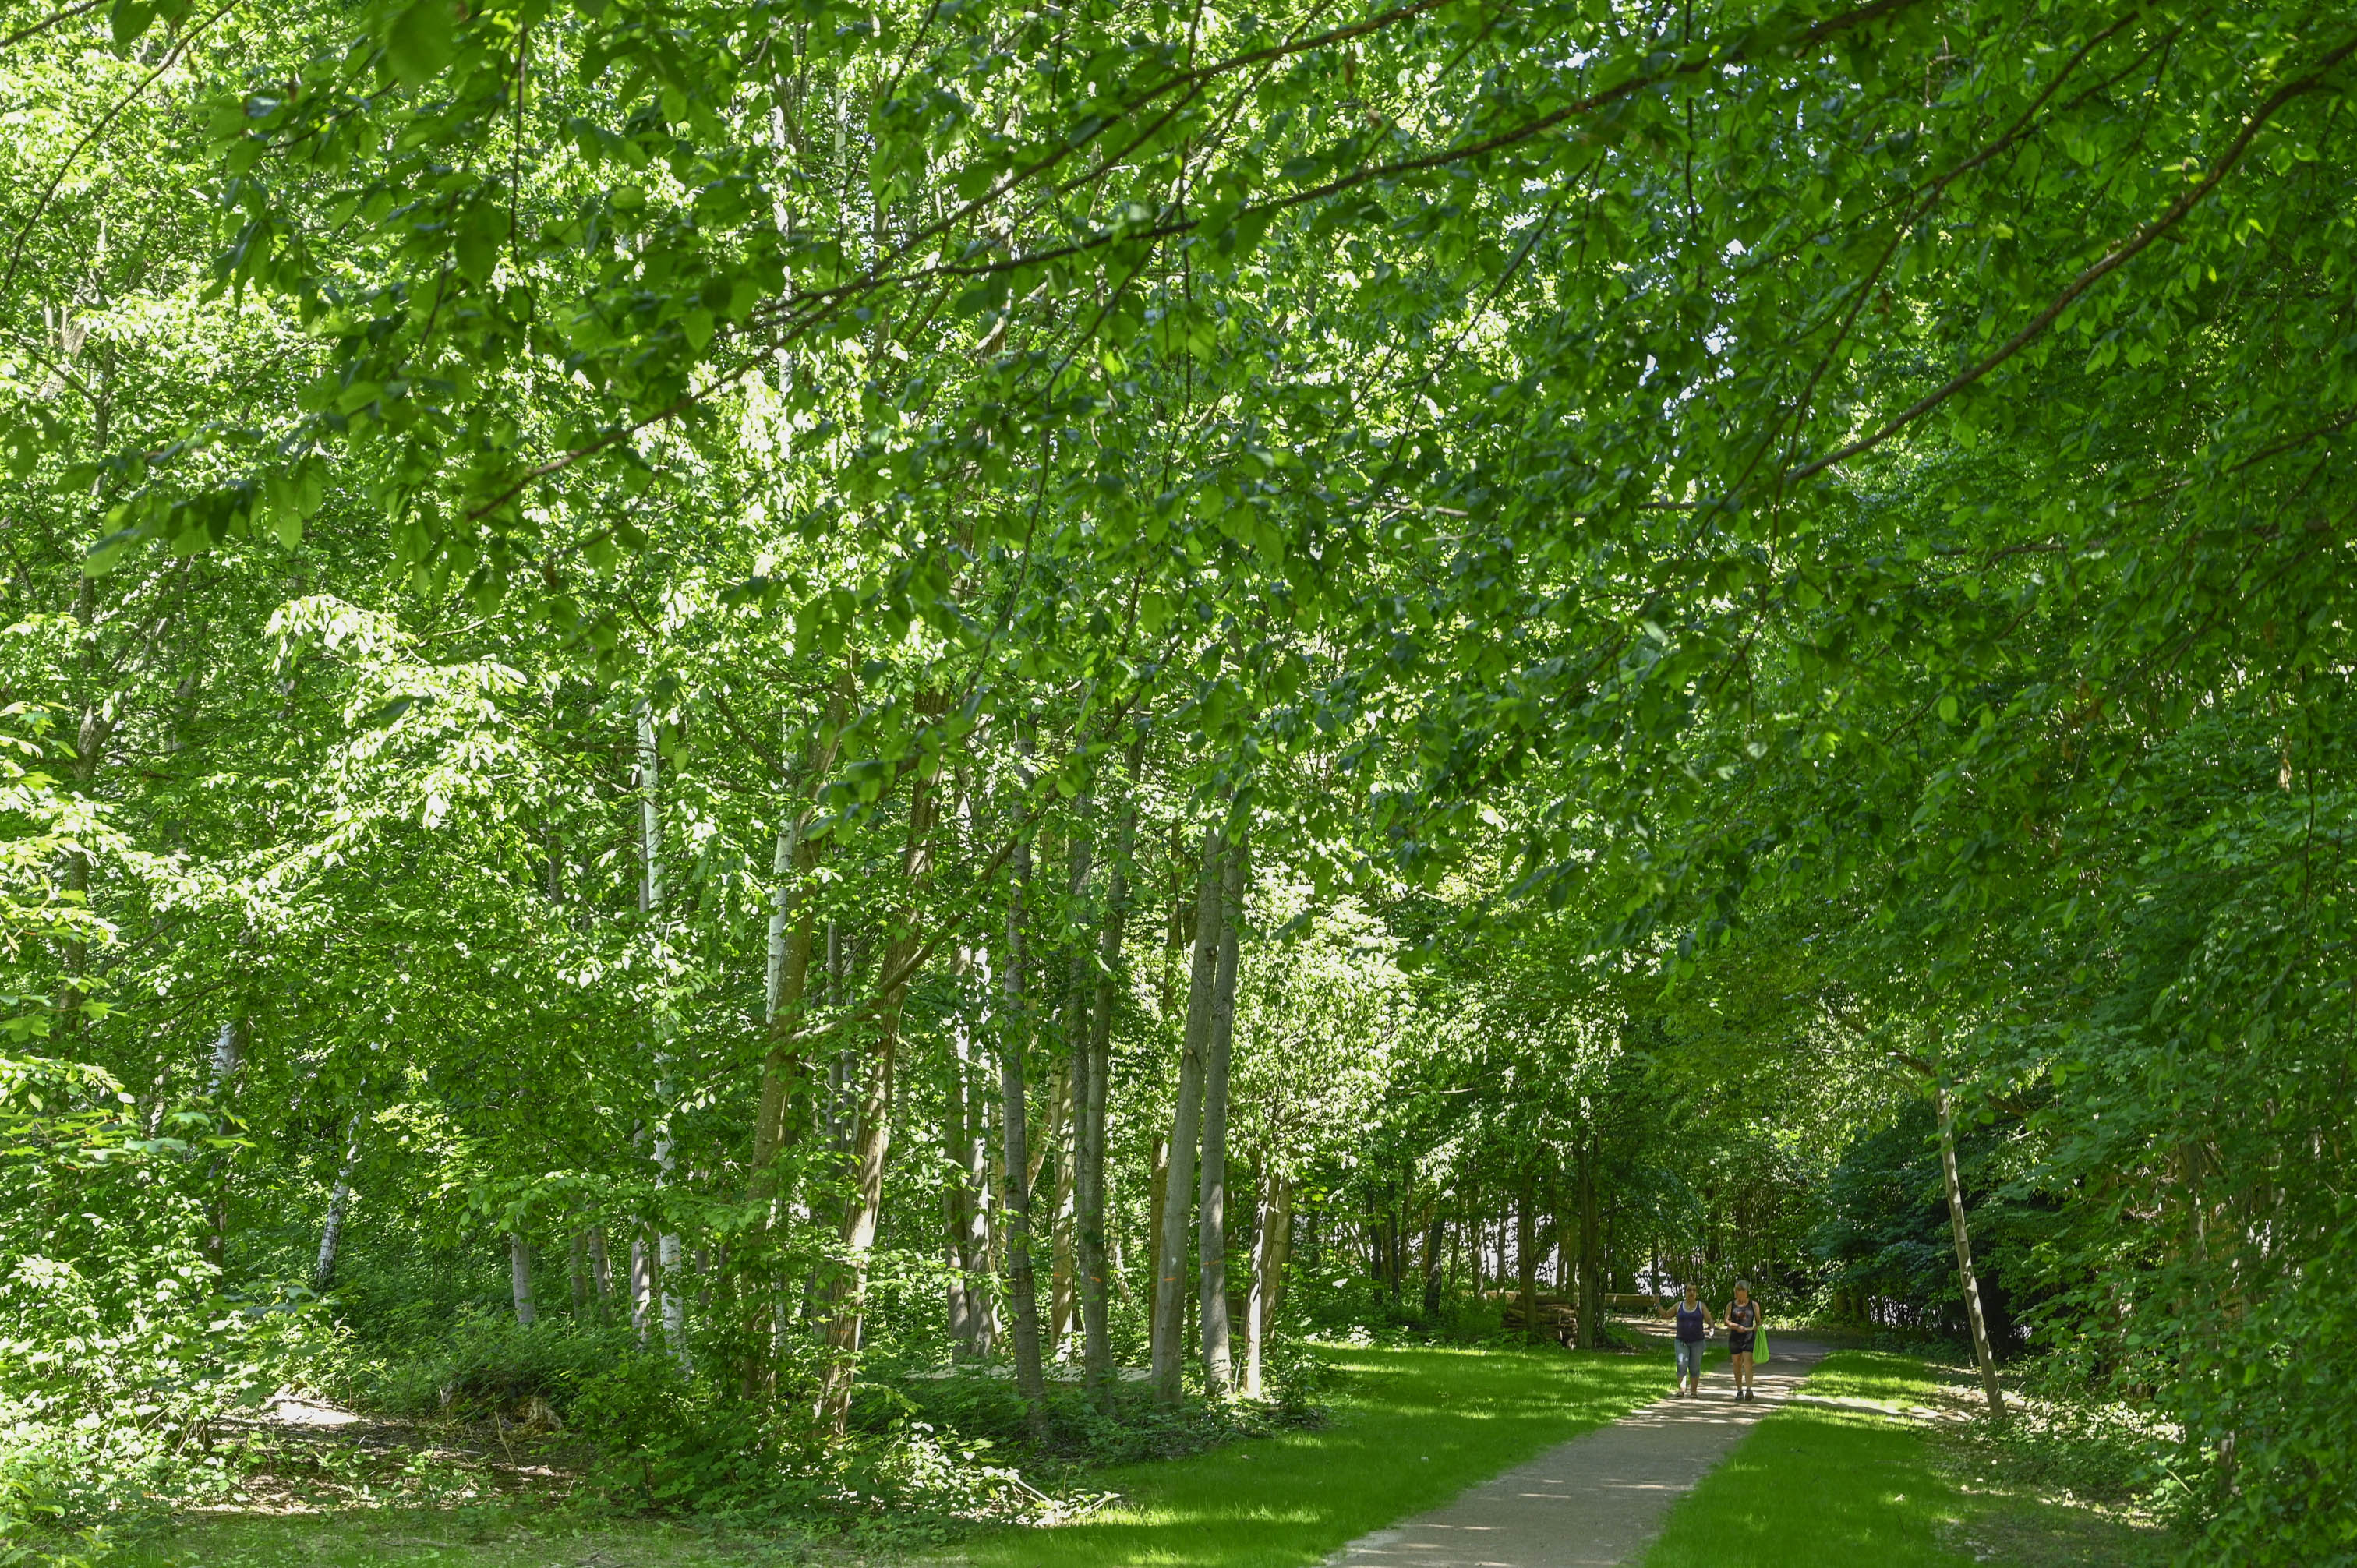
(1690, 1324)
(1743, 1314)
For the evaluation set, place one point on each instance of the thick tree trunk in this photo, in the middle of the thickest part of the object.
(1022, 1288)
(1270, 1235)
(1169, 1291)
(1211, 1223)
(520, 1277)
(1981, 1350)
(1089, 1127)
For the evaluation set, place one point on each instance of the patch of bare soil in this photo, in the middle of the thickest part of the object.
(300, 1454)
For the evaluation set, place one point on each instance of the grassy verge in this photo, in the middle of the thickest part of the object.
(1864, 1478)
(1411, 1428)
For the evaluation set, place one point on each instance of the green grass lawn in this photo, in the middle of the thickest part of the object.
(1863, 1482)
(1411, 1430)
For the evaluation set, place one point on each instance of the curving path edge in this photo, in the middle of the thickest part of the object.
(1600, 1498)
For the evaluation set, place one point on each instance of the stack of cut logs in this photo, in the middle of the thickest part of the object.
(1553, 1313)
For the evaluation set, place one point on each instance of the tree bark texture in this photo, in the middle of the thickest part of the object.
(1177, 1204)
(1526, 1256)
(1089, 1124)
(1591, 1248)
(331, 1233)
(962, 1194)
(1981, 1350)
(1158, 1188)
(1435, 1239)
(1022, 1288)
(1211, 1222)
(848, 1292)
(1271, 1239)
(786, 984)
(520, 1278)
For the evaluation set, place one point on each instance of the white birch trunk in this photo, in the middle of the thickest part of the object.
(519, 1276)
(331, 1233)
(650, 904)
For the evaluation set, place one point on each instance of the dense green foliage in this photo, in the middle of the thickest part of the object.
(702, 672)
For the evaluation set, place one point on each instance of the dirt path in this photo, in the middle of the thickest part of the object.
(1598, 1499)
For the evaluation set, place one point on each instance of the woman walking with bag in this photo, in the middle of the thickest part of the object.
(1742, 1325)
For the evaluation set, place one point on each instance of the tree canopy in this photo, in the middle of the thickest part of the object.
(782, 660)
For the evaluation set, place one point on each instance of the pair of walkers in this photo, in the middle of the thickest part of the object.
(1743, 1324)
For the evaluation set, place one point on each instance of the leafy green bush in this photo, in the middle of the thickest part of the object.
(487, 1363)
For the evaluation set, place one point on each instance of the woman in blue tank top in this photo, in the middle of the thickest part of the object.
(1693, 1328)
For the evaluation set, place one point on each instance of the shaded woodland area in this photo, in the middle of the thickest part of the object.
(783, 734)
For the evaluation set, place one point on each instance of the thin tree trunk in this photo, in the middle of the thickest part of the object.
(1591, 1249)
(520, 1277)
(1436, 1238)
(1022, 1289)
(961, 1195)
(578, 1274)
(1527, 1258)
(331, 1233)
(229, 1054)
(1063, 1297)
(785, 988)
(601, 1273)
(650, 905)
(1211, 1224)
(1169, 1293)
(1089, 1129)
(1279, 1256)
(1981, 1350)
(849, 1290)
(1158, 1188)
(1058, 1167)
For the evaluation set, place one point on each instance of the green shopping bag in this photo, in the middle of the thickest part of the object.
(1761, 1353)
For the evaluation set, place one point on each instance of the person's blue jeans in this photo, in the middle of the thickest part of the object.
(1689, 1360)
